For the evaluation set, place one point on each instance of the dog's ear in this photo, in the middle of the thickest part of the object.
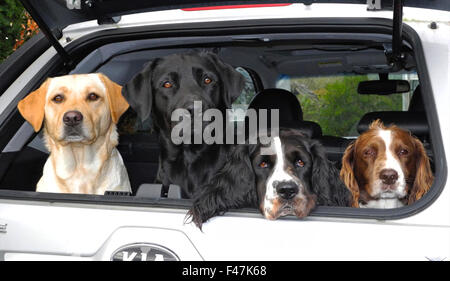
(348, 175)
(117, 103)
(32, 107)
(233, 81)
(424, 176)
(138, 91)
(326, 185)
(233, 186)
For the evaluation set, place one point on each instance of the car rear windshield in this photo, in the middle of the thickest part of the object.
(322, 74)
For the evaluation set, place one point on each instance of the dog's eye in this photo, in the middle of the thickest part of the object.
(58, 99)
(403, 152)
(369, 152)
(263, 164)
(92, 97)
(299, 163)
(167, 85)
(207, 80)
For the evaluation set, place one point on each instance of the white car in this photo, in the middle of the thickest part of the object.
(311, 48)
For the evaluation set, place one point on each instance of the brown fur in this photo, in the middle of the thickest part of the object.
(358, 173)
(424, 176)
(32, 106)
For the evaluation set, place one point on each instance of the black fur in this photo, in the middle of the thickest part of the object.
(325, 181)
(224, 192)
(232, 187)
(187, 165)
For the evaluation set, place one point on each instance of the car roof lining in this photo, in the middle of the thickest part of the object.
(312, 54)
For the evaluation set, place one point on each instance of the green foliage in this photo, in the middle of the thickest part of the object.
(337, 106)
(12, 21)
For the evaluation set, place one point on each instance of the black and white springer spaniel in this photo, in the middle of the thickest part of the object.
(290, 176)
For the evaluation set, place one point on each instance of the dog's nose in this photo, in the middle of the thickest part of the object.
(388, 176)
(287, 190)
(72, 118)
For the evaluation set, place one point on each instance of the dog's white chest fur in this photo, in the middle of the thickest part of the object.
(66, 176)
(87, 169)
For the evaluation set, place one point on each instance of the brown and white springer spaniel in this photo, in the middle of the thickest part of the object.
(386, 167)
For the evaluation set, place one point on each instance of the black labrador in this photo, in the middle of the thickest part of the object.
(176, 82)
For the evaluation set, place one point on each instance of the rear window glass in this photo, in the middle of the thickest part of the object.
(328, 98)
(334, 103)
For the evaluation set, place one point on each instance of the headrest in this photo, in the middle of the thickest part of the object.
(415, 122)
(309, 128)
(287, 102)
(290, 114)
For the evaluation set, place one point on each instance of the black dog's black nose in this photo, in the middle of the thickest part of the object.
(287, 190)
(388, 176)
(72, 118)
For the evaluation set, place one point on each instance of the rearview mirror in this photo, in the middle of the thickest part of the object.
(383, 87)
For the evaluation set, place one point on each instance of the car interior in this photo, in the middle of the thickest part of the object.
(266, 60)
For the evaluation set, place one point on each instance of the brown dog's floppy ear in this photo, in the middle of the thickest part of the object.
(424, 177)
(348, 175)
(32, 106)
(117, 103)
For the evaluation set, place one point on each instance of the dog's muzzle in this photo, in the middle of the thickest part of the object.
(286, 189)
(290, 199)
(389, 185)
(72, 126)
(72, 118)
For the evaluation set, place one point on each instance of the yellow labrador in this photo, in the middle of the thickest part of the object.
(79, 113)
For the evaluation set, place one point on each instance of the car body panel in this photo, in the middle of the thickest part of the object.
(86, 232)
(65, 231)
